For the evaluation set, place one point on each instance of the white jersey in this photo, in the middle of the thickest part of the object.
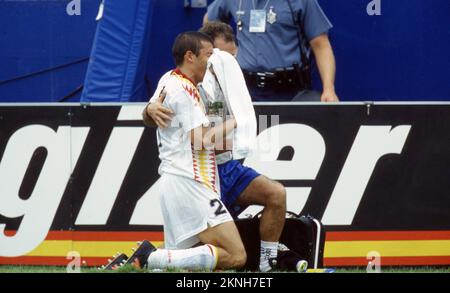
(207, 99)
(176, 152)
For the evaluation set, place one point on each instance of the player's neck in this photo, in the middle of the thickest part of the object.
(189, 74)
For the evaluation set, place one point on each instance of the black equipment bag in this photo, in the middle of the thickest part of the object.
(303, 235)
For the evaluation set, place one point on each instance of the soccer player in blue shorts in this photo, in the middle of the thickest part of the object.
(241, 186)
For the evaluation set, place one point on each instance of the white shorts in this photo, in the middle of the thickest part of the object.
(188, 208)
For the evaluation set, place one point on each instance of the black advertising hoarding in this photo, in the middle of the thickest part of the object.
(83, 179)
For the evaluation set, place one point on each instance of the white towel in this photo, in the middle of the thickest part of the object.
(231, 80)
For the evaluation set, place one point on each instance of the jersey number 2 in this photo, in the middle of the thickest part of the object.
(220, 210)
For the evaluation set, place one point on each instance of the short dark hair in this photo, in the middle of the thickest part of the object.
(188, 41)
(216, 29)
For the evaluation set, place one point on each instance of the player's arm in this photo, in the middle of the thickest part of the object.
(146, 118)
(208, 137)
(155, 114)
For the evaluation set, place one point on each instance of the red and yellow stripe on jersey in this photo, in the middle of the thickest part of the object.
(203, 161)
(204, 164)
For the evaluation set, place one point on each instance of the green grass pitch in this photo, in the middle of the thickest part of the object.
(50, 269)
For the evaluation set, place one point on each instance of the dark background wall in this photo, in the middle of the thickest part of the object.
(401, 55)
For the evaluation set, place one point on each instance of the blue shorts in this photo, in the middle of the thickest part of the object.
(234, 178)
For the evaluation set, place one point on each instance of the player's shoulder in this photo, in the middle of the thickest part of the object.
(179, 88)
(172, 87)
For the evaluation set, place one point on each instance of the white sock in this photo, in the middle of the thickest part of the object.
(268, 250)
(196, 259)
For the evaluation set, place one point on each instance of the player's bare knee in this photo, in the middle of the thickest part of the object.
(277, 196)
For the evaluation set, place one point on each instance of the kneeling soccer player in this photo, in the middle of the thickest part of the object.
(189, 186)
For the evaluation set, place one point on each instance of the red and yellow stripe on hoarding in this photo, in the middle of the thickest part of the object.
(341, 248)
(395, 247)
(94, 247)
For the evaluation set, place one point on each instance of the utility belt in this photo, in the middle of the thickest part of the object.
(289, 78)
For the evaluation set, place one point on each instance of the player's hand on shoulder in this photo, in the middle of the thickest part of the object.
(160, 114)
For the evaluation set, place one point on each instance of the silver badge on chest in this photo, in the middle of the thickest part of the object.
(271, 16)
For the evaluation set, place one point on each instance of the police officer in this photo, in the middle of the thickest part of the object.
(274, 37)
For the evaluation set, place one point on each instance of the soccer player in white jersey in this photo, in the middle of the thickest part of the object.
(190, 189)
(243, 185)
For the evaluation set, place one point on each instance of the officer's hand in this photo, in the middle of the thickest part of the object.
(160, 114)
(329, 96)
